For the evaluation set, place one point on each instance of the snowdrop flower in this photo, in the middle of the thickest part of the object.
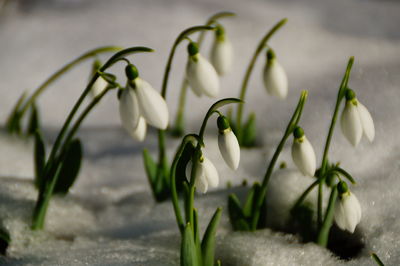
(139, 133)
(100, 84)
(303, 153)
(200, 74)
(221, 52)
(356, 120)
(129, 110)
(347, 209)
(275, 79)
(228, 143)
(206, 174)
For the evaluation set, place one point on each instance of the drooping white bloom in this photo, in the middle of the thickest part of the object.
(206, 174)
(152, 105)
(139, 133)
(228, 143)
(98, 86)
(303, 155)
(222, 55)
(129, 109)
(275, 79)
(347, 212)
(201, 76)
(356, 121)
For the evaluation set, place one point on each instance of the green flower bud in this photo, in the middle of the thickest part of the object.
(331, 178)
(298, 133)
(350, 95)
(193, 48)
(342, 188)
(131, 72)
(270, 55)
(223, 123)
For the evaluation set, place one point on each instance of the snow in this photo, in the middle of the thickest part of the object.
(110, 216)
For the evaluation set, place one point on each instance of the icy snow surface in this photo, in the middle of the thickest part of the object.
(110, 217)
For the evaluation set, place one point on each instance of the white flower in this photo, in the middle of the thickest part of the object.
(347, 212)
(228, 143)
(139, 133)
(206, 174)
(222, 55)
(356, 120)
(303, 154)
(98, 86)
(152, 105)
(275, 79)
(200, 74)
(129, 109)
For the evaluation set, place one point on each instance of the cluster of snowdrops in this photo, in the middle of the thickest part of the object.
(141, 105)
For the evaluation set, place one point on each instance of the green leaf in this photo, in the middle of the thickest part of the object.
(4, 240)
(13, 123)
(189, 256)
(69, 167)
(150, 167)
(208, 243)
(345, 174)
(249, 204)
(39, 159)
(34, 124)
(196, 231)
(236, 216)
(249, 132)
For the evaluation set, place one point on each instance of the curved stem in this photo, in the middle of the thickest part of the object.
(178, 128)
(63, 70)
(263, 190)
(179, 39)
(304, 195)
(323, 234)
(249, 70)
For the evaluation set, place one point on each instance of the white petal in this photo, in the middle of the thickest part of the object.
(139, 133)
(351, 124)
(129, 109)
(98, 86)
(200, 181)
(210, 172)
(202, 77)
(275, 79)
(347, 212)
(222, 55)
(304, 156)
(366, 121)
(152, 105)
(229, 148)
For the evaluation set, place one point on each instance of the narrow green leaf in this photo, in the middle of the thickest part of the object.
(39, 159)
(249, 204)
(69, 167)
(34, 123)
(377, 260)
(196, 231)
(150, 167)
(189, 255)
(249, 131)
(345, 174)
(4, 240)
(236, 216)
(208, 243)
(13, 123)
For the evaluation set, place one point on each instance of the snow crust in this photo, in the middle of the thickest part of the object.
(110, 217)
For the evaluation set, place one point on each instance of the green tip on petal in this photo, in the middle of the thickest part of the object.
(193, 48)
(131, 72)
(223, 123)
(350, 94)
(342, 187)
(298, 132)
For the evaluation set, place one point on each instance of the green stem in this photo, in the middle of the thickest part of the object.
(323, 234)
(63, 70)
(179, 39)
(377, 259)
(249, 70)
(304, 195)
(178, 128)
(44, 196)
(263, 190)
(319, 205)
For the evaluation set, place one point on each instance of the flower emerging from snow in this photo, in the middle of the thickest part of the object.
(140, 104)
(228, 143)
(356, 120)
(206, 174)
(275, 79)
(100, 84)
(221, 52)
(303, 153)
(347, 209)
(200, 74)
